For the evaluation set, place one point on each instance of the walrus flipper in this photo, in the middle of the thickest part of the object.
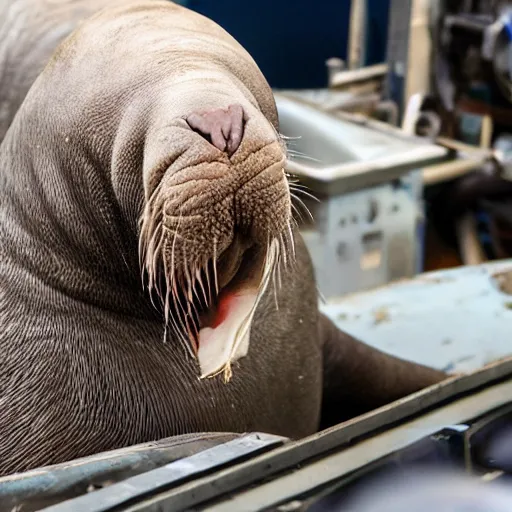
(359, 378)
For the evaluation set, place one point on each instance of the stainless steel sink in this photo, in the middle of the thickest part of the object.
(338, 155)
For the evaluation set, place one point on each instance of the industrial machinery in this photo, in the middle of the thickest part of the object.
(472, 65)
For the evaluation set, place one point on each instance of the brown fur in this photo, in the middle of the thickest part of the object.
(100, 143)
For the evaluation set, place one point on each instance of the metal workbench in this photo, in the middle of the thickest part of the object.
(456, 320)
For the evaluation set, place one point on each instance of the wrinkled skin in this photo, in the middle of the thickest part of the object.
(100, 145)
(30, 30)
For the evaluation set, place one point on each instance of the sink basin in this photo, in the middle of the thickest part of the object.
(338, 155)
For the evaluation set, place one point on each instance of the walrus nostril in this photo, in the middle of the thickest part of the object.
(222, 128)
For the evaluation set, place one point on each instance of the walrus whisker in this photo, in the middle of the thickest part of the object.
(301, 203)
(192, 312)
(205, 283)
(189, 295)
(301, 156)
(156, 232)
(276, 272)
(155, 273)
(208, 283)
(166, 306)
(305, 193)
(173, 246)
(171, 279)
(295, 182)
(216, 280)
(154, 259)
(154, 220)
(142, 246)
(187, 340)
(291, 177)
(292, 155)
(281, 258)
(290, 248)
(198, 283)
(199, 279)
(286, 137)
(182, 317)
(297, 185)
(151, 299)
(152, 197)
(182, 339)
(275, 289)
(291, 242)
(191, 305)
(283, 252)
(189, 318)
(292, 140)
(173, 258)
(148, 253)
(180, 330)
(297, 212)
(193, 282)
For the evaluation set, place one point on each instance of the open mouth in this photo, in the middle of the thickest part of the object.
(239, 267)
(214, 306)
(224, 331)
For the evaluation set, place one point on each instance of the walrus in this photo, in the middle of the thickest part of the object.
(153, 279)
(30, 30)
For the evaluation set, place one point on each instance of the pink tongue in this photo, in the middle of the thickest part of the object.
(223, 306)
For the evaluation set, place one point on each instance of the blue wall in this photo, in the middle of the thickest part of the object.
(290, 41)
(377, 30)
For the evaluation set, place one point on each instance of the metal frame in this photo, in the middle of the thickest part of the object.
(157, 480)
(352, 445)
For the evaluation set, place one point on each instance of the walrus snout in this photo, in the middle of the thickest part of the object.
(216, 224)
(223, 128)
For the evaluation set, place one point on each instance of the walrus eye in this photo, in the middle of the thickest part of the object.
(223, 129)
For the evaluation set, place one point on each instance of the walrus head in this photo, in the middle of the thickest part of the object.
(169, 136)
(216, 228)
